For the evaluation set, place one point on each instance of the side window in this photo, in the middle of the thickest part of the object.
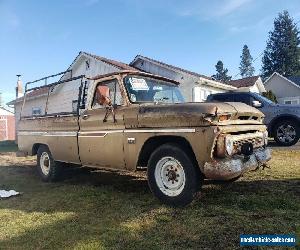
(167, 96)
(107, 93)
(36, 111)
(242, 98)
(223, 98)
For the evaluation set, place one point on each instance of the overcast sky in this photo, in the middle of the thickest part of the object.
(40, 38)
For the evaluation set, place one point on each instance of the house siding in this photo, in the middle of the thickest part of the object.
(283, 89)
(60, 100)
(61, 97)
(7, 125)
(254, 88)
(190, 86)
(187, 83)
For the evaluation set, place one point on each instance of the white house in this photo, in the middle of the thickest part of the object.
(195, 87)
(249, 84)
(63, 97)
(286, 89)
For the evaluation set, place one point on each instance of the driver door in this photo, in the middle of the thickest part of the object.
(101, 130)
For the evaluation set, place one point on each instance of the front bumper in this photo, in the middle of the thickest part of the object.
(229, 168)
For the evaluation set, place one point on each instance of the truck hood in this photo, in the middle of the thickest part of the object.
(196, 114)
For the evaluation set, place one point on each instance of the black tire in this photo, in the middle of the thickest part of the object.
(54, 168)
(190, 172)
(276, 132)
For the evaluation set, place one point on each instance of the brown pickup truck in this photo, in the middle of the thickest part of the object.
(137, 121)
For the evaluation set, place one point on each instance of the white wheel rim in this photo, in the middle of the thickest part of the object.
(45, 163)
(286, 133)
(169, 176)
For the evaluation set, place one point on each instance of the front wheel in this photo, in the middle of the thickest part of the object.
(286, 133)
(172, 175)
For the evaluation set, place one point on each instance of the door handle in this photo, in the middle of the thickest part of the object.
(85, 116)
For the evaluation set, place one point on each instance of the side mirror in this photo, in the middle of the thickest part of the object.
(256, 104)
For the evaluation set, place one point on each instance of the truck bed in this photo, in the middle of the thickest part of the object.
(58, 131)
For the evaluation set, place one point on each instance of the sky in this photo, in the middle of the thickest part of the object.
(39, 38)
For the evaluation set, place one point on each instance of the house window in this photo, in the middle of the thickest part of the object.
(201, 94)
(197, 94)
(87, 64)
(74, 105)
(291, 101)
(36, 111)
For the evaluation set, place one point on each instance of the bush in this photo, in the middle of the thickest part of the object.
(270, 95)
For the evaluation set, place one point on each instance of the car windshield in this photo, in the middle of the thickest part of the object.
(262, 98)
(146, 89)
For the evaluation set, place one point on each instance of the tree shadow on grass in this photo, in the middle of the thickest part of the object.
(119, 180)
(116, 210)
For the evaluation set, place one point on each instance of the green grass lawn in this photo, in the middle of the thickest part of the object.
(106, 210)
(8, 146)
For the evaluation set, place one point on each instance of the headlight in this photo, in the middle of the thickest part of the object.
(224, 117)
(229, 145)
(265, 135)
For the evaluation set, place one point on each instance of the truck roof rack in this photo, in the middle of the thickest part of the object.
(45, 79)
(46, 85)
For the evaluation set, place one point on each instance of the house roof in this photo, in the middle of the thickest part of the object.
(30, 95)
(134, 72)
(5, 112)
(244, 82)
(294, 79)
(43, 91)
(171, 66)
(119, 65)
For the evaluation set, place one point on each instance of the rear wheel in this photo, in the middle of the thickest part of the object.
(286, 133)
(48, 169)
(172, 176)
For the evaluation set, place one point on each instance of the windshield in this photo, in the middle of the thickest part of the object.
(264, 99)
(146, 89)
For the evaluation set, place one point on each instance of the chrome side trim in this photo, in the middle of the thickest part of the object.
(175, 130)
(42, 133)
(103, 133)
(98, 133)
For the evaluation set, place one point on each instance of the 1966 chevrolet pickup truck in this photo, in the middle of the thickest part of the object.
(131, 120)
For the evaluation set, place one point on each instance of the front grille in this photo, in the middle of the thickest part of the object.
(246, 117)
(256, 139)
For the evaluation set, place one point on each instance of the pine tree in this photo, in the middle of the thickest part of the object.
(222, 72)
(270, 95)
(246, 68)
(282, 53)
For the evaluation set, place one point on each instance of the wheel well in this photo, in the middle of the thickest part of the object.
(279, 119)
(35, 148)
(154, 142)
